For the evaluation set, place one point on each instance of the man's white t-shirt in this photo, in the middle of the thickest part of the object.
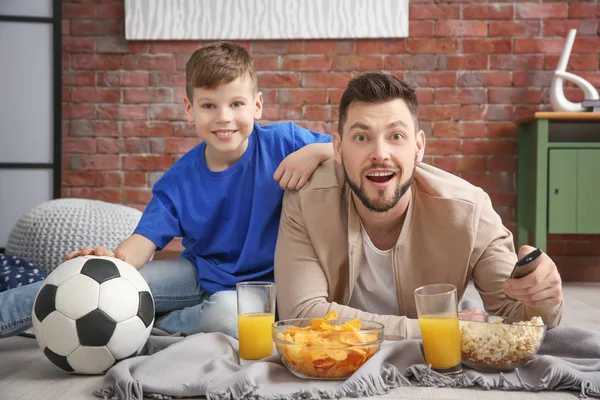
(375, 290)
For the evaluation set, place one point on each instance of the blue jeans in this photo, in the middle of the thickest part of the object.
(181, 303)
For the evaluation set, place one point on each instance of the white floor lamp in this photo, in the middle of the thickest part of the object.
(557, 95)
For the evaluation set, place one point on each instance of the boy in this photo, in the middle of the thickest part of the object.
(220, 197)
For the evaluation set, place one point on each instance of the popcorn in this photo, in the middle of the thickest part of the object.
(499, 345)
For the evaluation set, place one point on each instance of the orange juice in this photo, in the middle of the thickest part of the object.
(254, 333)
(441, 341)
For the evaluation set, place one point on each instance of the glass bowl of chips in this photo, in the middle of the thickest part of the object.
(326, 348)
(496, 344)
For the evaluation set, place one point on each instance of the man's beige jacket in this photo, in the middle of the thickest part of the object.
(451, 234)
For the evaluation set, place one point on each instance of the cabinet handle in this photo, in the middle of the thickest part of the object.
(555, 191)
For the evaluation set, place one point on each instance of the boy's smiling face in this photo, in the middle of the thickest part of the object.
(224, 118)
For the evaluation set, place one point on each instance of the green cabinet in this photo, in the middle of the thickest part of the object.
(558, 176)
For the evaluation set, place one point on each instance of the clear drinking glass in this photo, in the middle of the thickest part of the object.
(437, 309)
(256, 315)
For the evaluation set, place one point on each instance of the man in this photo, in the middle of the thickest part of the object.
(371, 227)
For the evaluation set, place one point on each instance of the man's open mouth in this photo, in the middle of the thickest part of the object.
(380, 177)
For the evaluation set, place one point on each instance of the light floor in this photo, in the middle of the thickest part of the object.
(25, 374)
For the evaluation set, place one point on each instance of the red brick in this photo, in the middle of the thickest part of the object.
(78, 78)
(488, 11)
(306, 63)
(169, 79)
(110, 195)
(513, 62)
(488, 146)
(515, 28)
(466, 62)
(461, 164)
(110, 146)
(335, 95)
(586, 45)
(266, 62)
(183, 129)
(95, 61)
(329, 46)
(460, 28)
(425, 96)
(276, 79)
(70, 178)
(146, 163)
(487, 46)
(104, 179)
(135, 179)
(459, 129)
(438, 113)
(79, 145)
(356, 62)
(540, 11)
(77, 111)
(432, 46)
(148, 95)
(65, 27)
(491, 181)
(539, 45)
(66, 94)
(122, 78)
(273, 112)
(576, 62)
(172, 112)
(561, 28)
(66, 61)
(460, 96)
(434, 12)
(136, 145)
(432, 79)
(503, 163)
(122, 112)
(111, 11)
(302, 96)
(503, 198)
(325, 79)
(532, 78)
(152, 129)
(487, 113)
(443, 146)
(584, 10)
(526, 112)
(410, 62)
(172, 145)
(96, 95)
(320, 127)
(318, 113)
(74, 44)
(502, 130)
(137, 196)
(380, 46)
(150, 62)
(96, 27)
(118, 44)
(484, 78)
(278, 47)
(269, 96)
(174, 47)
(94, 162)
(74, 10)
(420, 29)
(515, 95)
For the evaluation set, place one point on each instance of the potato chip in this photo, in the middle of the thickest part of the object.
(326, 350)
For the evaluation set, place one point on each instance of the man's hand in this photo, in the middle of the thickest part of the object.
(98, 251)
(540, 289)
(295, 170)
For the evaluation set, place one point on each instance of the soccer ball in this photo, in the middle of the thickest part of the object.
(92, 312)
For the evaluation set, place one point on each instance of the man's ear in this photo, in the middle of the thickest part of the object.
(258, 106)
(188, 109)
(337, 147)
(420, 146)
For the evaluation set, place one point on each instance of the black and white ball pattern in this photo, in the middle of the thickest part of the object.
(92, 312)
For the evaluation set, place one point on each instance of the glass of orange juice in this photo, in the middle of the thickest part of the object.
(256, 314)
(437, 309)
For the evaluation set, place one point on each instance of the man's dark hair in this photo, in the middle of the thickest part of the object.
(377, 87)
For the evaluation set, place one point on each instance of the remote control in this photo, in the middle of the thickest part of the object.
(525, 265)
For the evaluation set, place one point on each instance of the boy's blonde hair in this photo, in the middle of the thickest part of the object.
(215, 64)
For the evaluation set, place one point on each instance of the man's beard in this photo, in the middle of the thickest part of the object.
(380, 205)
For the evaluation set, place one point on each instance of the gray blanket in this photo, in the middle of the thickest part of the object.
(208, 365)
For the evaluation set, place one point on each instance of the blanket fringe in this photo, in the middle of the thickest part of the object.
(122, 391)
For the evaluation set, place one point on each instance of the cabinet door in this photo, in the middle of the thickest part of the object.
(588, 191)
(562, 191)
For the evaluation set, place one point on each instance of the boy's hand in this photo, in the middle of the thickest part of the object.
(542, 288)
(295, 170)
(98, 251)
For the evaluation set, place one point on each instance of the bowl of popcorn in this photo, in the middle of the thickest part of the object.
(496, 344)
(326, 348)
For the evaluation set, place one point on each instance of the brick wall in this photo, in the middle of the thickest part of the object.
(479, 67)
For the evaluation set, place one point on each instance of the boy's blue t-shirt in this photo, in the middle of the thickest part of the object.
(228, 220)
